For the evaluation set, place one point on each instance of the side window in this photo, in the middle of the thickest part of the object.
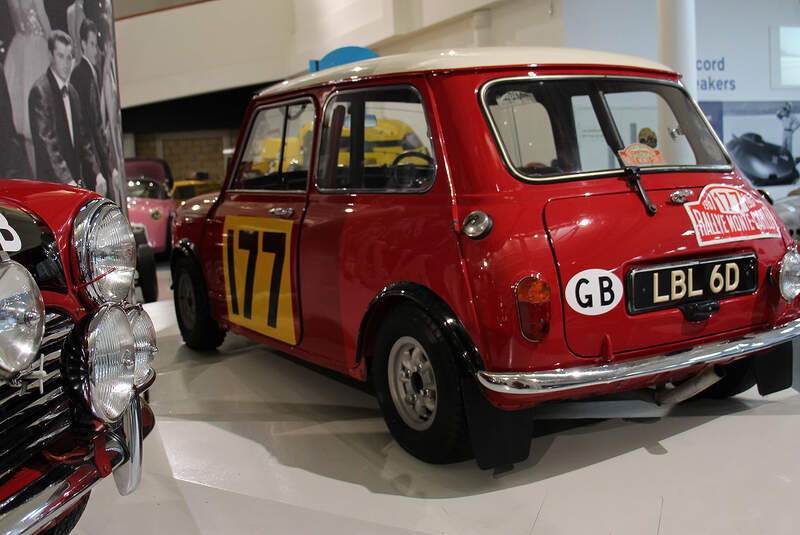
(299, 145)
(376, 139)
(278, 150)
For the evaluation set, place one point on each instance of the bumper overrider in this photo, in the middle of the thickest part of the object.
(99, 449)
(567, 379)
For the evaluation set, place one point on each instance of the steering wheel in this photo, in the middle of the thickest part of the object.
(407, 176)
(411, 154)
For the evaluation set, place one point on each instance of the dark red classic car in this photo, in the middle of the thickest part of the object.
(75, 357)
(558, 224)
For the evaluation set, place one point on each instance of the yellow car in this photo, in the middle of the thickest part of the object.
(385, 139)
(191, 187)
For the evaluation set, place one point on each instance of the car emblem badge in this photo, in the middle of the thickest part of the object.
(680, 196)
(40, 374)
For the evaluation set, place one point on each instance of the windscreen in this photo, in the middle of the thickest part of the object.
(547, 128)
(146, 189)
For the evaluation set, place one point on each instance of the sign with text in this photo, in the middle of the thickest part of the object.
(726, 214)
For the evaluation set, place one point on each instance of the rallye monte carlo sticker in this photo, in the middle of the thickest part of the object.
(257, 256)
(724, 214)
(593, 292)
(641, 154)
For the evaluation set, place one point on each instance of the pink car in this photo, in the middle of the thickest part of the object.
(149, 204)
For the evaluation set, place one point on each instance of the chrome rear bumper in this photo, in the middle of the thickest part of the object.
(44, 500)
(545, 382)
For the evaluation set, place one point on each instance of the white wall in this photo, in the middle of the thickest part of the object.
(201, 48)
(512, 23)
(228, 43)
(738, 30)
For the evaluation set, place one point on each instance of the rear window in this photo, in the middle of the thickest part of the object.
(548, 128)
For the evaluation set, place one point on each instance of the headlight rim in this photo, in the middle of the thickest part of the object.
(131, 311)
(89, 347)
(84, 222)
(8, 263)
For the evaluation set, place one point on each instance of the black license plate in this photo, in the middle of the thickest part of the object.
(672, 285)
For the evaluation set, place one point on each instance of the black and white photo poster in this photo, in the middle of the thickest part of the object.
(59, 96)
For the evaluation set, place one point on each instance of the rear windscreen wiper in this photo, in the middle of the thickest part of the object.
(614, 140)
(636, 183)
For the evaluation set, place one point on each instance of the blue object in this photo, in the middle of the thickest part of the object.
(340, 56)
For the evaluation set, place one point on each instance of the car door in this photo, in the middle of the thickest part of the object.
(253, 233)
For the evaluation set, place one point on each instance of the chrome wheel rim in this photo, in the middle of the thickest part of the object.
(186, 301)
(412, 383)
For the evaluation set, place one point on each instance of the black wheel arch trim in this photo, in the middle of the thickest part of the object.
(468, 357)
(184, 247)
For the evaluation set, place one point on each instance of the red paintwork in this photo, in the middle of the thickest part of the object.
(57, 206)
(351, 246)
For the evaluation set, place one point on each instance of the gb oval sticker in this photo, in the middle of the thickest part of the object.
(593, 292)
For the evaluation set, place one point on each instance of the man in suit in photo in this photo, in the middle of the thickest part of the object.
(84, 79)
(63, 148)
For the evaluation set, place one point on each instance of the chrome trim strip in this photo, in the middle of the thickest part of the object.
(559, 380)
(55, 492)
(129, 473)
(563, 177)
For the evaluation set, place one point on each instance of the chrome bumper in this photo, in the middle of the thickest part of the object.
(50, 496)
(545, 382)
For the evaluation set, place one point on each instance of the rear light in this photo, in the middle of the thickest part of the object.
(533, 305)
(789, 275)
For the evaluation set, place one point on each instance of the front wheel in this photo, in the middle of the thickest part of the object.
(192, 308)
(417, 384)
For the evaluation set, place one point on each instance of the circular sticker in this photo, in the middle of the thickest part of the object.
(593, 292)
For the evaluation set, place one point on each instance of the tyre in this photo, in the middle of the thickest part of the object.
(192, 308)
(66, 523)
(739, 376)
(417, 384)
(146, 265)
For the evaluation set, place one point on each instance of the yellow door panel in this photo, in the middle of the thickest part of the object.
(256, 253)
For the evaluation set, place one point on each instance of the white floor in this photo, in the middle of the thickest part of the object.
(247, 441)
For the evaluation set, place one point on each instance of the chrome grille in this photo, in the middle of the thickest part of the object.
(34, 409)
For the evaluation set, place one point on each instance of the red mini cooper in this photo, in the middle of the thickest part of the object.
(75, 355)
(555, 224)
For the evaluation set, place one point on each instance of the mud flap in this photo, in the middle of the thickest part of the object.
(499, 438)
(773, 370)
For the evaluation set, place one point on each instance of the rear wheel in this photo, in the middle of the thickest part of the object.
(417, 384)
(192, 308)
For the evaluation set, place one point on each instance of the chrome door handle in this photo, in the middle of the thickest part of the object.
(283, 213)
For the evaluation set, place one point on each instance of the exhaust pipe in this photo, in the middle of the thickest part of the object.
(693, 386)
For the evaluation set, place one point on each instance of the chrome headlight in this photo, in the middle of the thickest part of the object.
(111, 351)
(789, 275)
(144, 341)
(106, 251)
(21, 317)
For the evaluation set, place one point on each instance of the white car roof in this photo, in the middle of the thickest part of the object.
(464, 58)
